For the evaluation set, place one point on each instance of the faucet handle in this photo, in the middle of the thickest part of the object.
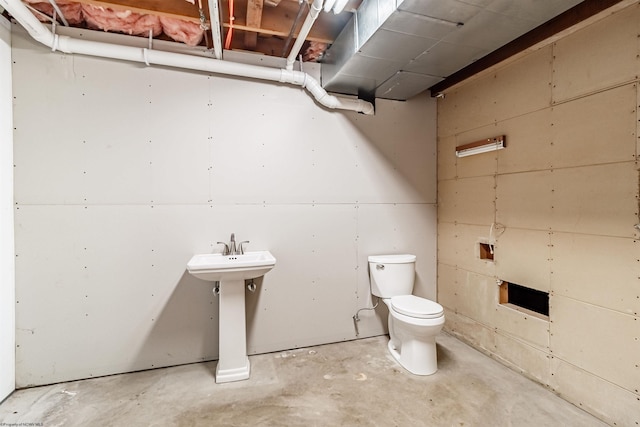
(226, 248)
(240, 247)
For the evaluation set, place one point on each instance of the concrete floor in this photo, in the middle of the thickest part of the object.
(353, 383)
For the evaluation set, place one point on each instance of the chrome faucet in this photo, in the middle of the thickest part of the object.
(232, 245)
(231, 248)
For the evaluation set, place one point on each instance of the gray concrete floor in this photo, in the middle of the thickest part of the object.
(354, 383)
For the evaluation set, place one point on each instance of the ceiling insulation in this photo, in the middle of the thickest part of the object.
(389, 49)
(120, 20)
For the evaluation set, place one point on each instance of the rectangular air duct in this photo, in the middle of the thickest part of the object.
(395, 49)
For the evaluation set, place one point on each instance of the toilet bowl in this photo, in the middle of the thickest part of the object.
(414, 322)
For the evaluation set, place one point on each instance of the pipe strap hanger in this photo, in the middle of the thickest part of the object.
(70, 45)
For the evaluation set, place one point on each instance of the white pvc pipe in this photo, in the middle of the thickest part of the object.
(148, 56)
(314, 11)
(59, 12)
(214, 19)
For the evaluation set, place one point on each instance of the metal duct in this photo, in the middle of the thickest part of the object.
(395, 49)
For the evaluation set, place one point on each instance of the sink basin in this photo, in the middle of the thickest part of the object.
(218, 267)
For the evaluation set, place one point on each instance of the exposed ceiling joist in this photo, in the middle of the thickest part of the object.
(254, 19)
(172, 9)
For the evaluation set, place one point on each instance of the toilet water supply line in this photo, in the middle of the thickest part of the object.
(356, 319)
(68, 44)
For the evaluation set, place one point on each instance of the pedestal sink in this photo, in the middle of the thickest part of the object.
(231, 271)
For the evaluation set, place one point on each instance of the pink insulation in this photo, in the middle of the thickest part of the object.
(120, 20)
(124, 21)
(187, 32)
(314, 52)
(72, 11)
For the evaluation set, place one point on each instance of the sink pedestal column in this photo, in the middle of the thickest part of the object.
(233, 363)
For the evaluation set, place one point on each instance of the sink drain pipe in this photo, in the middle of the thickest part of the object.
(70, 45)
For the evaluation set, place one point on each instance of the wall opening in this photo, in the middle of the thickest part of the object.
(486, 251)
(523, 298)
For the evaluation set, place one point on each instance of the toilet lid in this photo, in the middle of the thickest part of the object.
(413, 306)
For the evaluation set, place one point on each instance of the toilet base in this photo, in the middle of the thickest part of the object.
(417, 357)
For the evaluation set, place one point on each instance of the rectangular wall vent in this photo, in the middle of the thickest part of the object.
(518, 296)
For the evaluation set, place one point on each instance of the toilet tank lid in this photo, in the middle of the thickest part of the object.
(393, 259)
(413, 306)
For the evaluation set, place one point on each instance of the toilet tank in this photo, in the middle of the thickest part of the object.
(392, 275)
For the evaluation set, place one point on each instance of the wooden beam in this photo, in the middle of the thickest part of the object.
(277, 21)
(254, 19)
(179, 9)
(571, 17)
(268, 32)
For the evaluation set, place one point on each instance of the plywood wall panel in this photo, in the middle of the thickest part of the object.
(529, 360)
(397, 164)
(524, 200)
(475, 200)
(481, 164)
(172, 170)
(589, 392)
(301, 275)
(86, 293)
(579, 137)
(447, 286)
(637, 131)
(528, 142)
(369, 162)
(447, 246)
(599, 270)
(467, 107)
(447, 117)
(252, 167)
(596, 200)
(447, 157)
(467, 244)
(523, 257)
(393, 229)
(476, 296)
(566, 189)
(523, 87)
(592, 338)
(599, 56)
(523, 326)
(447, 194)
(478, 335)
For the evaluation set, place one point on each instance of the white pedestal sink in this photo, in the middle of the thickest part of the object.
(231, 271)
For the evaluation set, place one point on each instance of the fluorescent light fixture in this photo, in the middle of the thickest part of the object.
(482, 146)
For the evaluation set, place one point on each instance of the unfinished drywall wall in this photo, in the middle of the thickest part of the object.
(563, 201)
(123, 172)
(7, 255)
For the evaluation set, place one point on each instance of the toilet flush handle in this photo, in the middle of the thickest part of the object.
(380, 267)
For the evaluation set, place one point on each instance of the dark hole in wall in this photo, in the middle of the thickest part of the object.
(531, 299)
(486, 251)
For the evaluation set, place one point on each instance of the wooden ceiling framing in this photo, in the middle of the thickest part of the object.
(259, 25)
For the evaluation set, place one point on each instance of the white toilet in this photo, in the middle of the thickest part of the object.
(414, 322)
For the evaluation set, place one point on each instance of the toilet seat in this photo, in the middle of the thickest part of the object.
(413, 306)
